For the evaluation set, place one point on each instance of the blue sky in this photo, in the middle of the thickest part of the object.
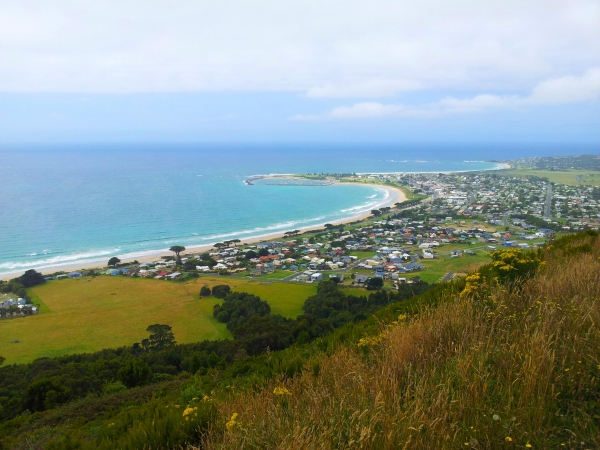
(300, 71)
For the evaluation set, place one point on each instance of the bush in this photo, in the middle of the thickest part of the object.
(134, 373)
(111, 388)
(374, 283)
(221, 290)
(205, 291)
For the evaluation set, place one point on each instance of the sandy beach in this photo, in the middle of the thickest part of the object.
(394, 195)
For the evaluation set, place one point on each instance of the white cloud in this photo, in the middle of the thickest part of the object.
(323, 48)
(569, 89)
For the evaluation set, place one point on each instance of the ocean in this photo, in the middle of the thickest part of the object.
(70, 204)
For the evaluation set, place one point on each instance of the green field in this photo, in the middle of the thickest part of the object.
(436, 269)
(89, 314)
(588, 177)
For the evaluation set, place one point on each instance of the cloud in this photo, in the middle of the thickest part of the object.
(320, 48)
(569, 89)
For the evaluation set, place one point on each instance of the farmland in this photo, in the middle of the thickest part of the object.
(89, 314)
(586, 177)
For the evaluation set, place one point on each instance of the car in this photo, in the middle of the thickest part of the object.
(491, 248)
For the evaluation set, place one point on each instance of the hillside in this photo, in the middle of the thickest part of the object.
(506, 358)
(514, 365)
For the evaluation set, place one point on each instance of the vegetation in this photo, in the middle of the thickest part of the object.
(505, 358)
(516, 367)
(114, 261)
(571, 177)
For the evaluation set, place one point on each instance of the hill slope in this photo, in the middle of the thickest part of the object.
(501, 366)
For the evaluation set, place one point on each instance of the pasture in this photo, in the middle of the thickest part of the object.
(89, 314)
(586, 177)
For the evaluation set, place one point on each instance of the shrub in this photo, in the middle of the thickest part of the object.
(205, 291)
(221, 290)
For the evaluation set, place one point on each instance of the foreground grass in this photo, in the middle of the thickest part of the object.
(89, 314)
(515, 367)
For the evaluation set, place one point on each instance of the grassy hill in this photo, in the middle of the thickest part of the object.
(506, 358)
(89, 314)
(504, 366)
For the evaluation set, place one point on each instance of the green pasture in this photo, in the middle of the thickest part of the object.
(588, 177)
(436, 269)
(89, 314)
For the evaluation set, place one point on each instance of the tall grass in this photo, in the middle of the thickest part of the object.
(516, 366)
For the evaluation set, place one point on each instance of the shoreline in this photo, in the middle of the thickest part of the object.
(394, 195)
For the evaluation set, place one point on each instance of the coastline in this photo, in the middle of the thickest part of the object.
(394, 195)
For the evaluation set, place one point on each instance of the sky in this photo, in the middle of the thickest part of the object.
(300, 71)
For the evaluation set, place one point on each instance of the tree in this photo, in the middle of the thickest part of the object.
(329, 226)
(134, 373)
(161, 337)
(31, 278)
(221, 290)
(114, 261)
(177, 249)
(263, 252)
(375, 212)
(204, 291)
(191, 264)
(374, 283)
(2, 359)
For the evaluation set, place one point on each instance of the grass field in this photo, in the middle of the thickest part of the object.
(89, 314)
(588, 177)
(437, 268)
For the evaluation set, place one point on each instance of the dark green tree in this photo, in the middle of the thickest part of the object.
(204, 291)
(374, 283)
(114, 261)
(31, 278)
(161, 337)
(251, 254)
(221, 290)
(177, 249)
(135, 372)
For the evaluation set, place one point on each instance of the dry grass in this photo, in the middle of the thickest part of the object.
(518, 369)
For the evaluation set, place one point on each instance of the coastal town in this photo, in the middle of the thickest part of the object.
(447, 227)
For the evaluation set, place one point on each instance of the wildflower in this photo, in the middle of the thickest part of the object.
(232, 423)
(528, 445)
(496, 417)
(111, 424)
(508, 439)
(176, 406)
(281, 391)
(188, 412)
(206, 398)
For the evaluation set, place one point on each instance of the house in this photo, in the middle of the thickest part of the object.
(74, 274)
(316, 277)
(360, 279)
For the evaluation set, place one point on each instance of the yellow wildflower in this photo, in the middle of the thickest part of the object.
(281, 391)
(508, 439)
(232, 423)
(528, 445)
(189, 411)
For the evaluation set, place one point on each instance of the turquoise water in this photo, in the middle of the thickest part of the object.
(64, 205)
